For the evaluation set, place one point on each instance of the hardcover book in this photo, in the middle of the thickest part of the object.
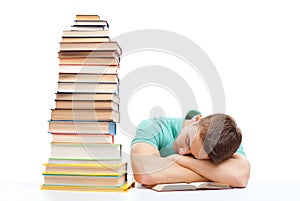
(91, 127)
(86, 104)
(96, 69)
(85, 114)
(87, 97)
(86, 150)
(98, 78)
(87, 87)
(88, 169)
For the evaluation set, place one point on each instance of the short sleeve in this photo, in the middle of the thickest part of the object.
(147, 132)
(159, 132)
(241, 150)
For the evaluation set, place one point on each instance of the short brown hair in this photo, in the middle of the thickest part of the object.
(221, 137)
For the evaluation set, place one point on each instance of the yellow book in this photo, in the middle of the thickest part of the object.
(86, 169)
(123, 188)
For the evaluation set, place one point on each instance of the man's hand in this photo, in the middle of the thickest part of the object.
(234, 171)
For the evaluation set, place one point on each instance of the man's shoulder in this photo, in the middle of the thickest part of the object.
(157, 131)
(160, 126)
(161, 121)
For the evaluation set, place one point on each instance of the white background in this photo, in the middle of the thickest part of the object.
(254, 45)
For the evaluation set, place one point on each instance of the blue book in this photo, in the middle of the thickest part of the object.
(88, 127)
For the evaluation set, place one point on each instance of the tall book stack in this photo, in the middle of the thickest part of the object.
(83, 123)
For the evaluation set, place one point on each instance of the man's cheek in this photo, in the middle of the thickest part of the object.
(175, 147)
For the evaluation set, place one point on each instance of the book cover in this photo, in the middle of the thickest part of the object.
(106, 161)
(89, 54)
(88, 104)
(91, 127)
(85, 150)
(121, 188)
(87, 169)
(88, 17)
(105, 61)
(91, 46)
(69, 179)
(87, 87)
(87, 97)
(96, 78)
(85, 114)
(82, 138)
(85, 39)
(85, 33)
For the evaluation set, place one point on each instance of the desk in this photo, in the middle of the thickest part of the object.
(254, 192)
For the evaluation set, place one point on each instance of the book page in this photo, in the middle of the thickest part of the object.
(174, 187)
(211, 185)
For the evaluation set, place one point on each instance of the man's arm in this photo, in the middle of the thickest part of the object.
(235, 171)
(150, 168)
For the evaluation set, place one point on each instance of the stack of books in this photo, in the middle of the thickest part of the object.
(83, 123)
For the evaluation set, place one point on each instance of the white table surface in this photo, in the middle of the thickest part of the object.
(254, 191)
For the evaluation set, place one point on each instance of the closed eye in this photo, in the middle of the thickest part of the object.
(188, 142)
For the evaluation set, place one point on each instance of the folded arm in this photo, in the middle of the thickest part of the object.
(235, 171)
(150, 168)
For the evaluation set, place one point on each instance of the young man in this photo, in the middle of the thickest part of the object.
(169, 150)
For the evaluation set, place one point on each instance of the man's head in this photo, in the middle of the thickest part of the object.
(215, 137)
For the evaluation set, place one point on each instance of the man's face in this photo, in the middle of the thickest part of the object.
(189, 141)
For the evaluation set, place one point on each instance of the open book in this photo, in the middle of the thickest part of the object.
(190, 186)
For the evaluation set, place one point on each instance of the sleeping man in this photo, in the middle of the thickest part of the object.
(196, 148)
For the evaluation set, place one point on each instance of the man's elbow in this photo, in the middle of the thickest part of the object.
(241, 179)
(145, 179)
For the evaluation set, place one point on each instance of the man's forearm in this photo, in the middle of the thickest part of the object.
(165, 171)
(234, 171)
(149, 168)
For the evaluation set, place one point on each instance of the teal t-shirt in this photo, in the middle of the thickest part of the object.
(161, 132)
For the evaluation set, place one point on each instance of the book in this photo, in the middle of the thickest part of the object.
(190, 186)
(86, 104)
(88, 169)
(89, 22)
(86, 150)
(91, 46)
(84, 39)
(91, 127)
(85, 33)
(105, 61)
(88, 17)
(87, 180)
(87, 27)
(105, 161)
(87, 97)
(89, 54)
(125, 187)
(88, 69)
(87, 87)
(98, 78)
(85, 114)
(80, 22)
(82, 138)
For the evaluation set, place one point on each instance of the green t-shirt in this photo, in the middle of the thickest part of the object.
(161, 132)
